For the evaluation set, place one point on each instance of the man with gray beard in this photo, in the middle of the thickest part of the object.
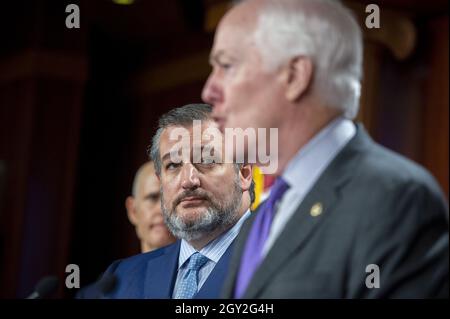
(204, 199)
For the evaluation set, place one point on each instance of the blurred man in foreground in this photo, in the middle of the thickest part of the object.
(347, 218)
(144, 212)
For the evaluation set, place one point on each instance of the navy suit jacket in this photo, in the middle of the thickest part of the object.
(152, 275)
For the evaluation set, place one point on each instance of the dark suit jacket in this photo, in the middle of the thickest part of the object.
(90, 291)
(378, 208)
(152, 275)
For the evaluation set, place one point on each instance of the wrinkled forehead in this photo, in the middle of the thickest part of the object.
(150, 174)
(147, 180)
(150, 183)
(198, 136)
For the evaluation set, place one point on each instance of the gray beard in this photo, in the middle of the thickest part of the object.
(217, 217)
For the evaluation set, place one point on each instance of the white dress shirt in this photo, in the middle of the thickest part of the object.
(213, 250)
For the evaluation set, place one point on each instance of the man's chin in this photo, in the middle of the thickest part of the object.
(191, 215)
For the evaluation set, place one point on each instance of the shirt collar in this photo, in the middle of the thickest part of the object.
(312, 159)
(215, 248)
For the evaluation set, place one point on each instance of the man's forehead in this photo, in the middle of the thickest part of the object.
(148, 181)
(151, 182)
(244, 14)
(233, 31)
(201, 131)
(146, 171)
(198, 142)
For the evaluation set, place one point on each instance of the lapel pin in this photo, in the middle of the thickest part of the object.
(316, 210)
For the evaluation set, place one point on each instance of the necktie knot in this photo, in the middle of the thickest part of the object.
(279, 187)
(197, 261)
(188, 285)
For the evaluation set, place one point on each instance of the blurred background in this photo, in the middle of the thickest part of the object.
(78, 108)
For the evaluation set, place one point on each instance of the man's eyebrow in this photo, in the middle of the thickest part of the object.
(165, 156)
(214, 57)
(216, 148)
(152, 195)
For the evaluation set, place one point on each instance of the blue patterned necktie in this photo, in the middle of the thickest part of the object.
(188, 285)
(252, 254)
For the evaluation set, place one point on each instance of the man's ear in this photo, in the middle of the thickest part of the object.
(299, 77)
(246, 176)
(131, 212)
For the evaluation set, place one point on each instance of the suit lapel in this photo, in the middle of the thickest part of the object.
(296, 232)
(161, 273)
(235, 260)
(305, 220)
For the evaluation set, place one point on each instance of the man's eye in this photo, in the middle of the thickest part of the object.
(153, 198)
(225, 66)
(170, 166)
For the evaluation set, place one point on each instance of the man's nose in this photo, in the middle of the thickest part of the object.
(189, 178)
(212, 93)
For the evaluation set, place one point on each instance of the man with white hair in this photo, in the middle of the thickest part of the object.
(346, 218)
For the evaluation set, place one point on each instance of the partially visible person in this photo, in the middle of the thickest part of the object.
(204, 204)
(144, 210)
(343, 210)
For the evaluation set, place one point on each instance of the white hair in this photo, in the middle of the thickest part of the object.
(327, 33)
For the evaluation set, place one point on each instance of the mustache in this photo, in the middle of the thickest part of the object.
(192, 193)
